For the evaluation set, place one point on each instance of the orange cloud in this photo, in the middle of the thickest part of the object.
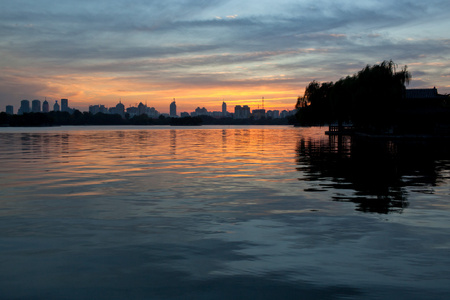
(279, 91)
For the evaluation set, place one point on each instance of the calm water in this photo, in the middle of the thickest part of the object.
(221, 213)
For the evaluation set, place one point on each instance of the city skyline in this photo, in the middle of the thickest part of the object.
(34, 106)
(16, 105)
(203, 53)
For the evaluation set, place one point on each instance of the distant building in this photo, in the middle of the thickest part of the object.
(241, 112)
(36, 106)
(273, 114)
(238, 112)
(216, 114)
(24, 107)
(173, 109)
(423, 112)
(422, 93)
(132, 111)
(142, 109)
(287, 113)
(425, 98)
(95, 109)
(65, 105)
(259, 113)
(9, 109)
(45, 107)
(152, 112)
(120, 109)
(200, 112)
(56, 106)
(224, 108)
(184, 114)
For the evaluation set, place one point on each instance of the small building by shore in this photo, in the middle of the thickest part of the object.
(422, 113)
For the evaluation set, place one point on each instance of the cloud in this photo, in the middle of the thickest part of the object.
(213, 43)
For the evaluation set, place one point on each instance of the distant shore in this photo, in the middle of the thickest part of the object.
(86, 119)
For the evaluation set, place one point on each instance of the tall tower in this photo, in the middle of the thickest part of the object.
(9, 109)
(224, 108)
(36, 106)
(142, 108)
(64, 105)
(238, 112)
(120, 109)
(45, 107)
(173, 108)
(24, 107)
(56, 106)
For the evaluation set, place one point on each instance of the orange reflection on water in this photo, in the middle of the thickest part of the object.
(88, 159)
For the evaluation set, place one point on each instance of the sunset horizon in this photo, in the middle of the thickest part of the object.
(224, 149)
(204, 53)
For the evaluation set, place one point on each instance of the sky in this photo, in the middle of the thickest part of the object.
(203, 52)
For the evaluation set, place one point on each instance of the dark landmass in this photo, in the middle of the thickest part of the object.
(86, 118)
(376, 102)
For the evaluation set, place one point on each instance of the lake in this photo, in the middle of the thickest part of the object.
(229, 212)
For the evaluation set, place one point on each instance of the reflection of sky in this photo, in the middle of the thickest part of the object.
(201, 53)
(161, 212)
(338, 250)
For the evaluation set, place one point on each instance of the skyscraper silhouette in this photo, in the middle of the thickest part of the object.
(173, 109)
(64, 105)
(9, 109)
(36, 106)
(224, 108)
(24, 107)
(56, 106)
(45, 107)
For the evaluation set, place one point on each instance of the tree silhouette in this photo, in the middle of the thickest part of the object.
(368, 98)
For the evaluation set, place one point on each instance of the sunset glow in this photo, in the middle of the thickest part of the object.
(203, 54)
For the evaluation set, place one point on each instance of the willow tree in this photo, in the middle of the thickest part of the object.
(314, 107)
(377, 94)
(368, 98)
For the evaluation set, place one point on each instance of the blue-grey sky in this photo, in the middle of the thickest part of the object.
(204, 52)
